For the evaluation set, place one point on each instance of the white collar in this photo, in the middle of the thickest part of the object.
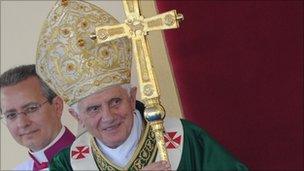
(39, 155)
(121, 155)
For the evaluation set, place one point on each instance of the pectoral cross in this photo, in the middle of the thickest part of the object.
(136, 27)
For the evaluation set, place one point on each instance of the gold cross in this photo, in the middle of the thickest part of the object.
(136, 27)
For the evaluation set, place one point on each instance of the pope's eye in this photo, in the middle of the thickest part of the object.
(94, 109)
(115, 102)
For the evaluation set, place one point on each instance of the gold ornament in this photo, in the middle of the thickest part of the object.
(76, 64)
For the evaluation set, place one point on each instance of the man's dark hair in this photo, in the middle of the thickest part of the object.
(23, 72)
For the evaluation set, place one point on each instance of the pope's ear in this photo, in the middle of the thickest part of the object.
(74, 114)
(133, 96)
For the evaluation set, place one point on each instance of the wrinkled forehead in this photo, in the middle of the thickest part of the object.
(104, 95)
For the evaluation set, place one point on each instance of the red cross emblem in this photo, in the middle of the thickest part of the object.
(172, 140)
(80, 151)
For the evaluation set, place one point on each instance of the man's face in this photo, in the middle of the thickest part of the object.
(35, 130)
(108, 115)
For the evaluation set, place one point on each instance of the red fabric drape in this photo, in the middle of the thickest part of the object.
(239, 70)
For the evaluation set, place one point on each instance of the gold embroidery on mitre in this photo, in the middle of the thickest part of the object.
(76, 65)
(144, 154)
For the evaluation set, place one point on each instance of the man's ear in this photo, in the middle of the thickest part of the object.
(58, 104)
(133, 92)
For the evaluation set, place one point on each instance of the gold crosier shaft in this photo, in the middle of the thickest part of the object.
(136, 28)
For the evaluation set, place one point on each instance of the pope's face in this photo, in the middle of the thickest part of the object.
(108, 115)
(35, 130)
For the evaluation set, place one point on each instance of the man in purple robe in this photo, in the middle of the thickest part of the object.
(32, 113)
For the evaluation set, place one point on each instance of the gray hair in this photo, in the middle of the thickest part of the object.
(127, 87)
(21, 73)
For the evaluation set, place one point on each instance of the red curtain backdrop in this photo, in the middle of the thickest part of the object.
(238, 66)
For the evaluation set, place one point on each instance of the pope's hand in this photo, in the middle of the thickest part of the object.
(160, 165)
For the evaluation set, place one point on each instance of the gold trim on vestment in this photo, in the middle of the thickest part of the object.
(144, 154)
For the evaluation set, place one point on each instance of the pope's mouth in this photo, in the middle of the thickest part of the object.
(112, 128)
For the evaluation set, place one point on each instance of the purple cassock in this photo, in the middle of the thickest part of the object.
(39, 160)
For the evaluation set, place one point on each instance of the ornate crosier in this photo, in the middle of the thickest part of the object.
(136, 27)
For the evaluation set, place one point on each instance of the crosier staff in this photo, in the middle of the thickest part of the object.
(136, 27)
